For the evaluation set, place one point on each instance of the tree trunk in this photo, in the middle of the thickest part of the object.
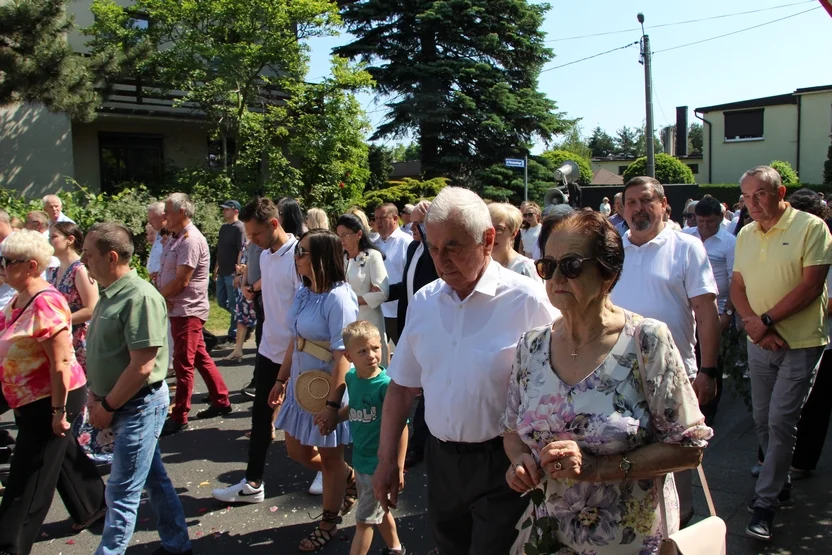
(428, 130)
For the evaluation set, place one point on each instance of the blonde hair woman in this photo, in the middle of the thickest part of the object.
(316, 219)
(506, 220)
(44, 384)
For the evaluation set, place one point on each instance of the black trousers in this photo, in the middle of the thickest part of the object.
(814, 419)
(265, 374)
(41, 463)
(258, 329)
(421, 433)
(471, 509)
(391, 327)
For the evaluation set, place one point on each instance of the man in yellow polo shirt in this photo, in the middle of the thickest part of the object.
(779, 290)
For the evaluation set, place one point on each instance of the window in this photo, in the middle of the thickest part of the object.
(744, 124)
(693, 167)
(127, 158)
(622, 169)
(215, 152)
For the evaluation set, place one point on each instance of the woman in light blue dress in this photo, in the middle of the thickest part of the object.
(321, 310)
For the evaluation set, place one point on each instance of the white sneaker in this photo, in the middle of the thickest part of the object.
(240, 493)
(317, 487)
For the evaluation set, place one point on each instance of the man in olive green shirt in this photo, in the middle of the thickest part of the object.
(127, 359)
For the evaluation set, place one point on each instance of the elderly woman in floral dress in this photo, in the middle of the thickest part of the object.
(600, 411)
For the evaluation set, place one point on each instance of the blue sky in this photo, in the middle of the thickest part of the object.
(609, 90)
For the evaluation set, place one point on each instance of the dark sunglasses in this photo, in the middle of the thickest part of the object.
(300, 252)
(570, 266)
(528, 214)
(6, 262)
(688, 215)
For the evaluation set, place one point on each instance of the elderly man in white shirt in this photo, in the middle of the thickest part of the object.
(393, 242)
(667, 276)
(458, 345)
(53, 207)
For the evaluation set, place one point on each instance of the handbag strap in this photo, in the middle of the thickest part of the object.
(705, 488)
(19, 314)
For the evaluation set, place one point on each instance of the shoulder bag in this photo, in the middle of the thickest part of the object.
(706, 537)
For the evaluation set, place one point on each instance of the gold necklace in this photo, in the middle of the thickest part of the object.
(578, 348)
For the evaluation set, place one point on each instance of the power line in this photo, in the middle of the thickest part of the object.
(683, 22)
(590, 57)
(736, 32)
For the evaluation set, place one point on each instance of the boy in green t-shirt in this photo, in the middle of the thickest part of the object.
(367, 385)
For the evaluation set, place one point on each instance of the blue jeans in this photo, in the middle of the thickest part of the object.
(137, 465)
(227, 299)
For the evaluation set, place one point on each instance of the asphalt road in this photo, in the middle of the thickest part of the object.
(213, 453)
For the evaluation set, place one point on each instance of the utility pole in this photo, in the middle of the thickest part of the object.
(526, 178)
(647, 60)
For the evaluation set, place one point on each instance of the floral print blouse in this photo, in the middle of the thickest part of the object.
(67, 287)
(607, 413)
(24, 365)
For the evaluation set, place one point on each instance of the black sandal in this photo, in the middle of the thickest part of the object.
(91, 521)
(350, 493)
(320, 537)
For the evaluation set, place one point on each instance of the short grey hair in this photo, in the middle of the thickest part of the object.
(28, 245)
(181, 201)
(766, 174)
(47, 198)
(157, 207)
(464, 206)
(113, 237)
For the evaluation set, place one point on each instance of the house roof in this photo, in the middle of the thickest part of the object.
(606, 177)
(777, 100)
(630, 159)
(406, 169)
(813, 89)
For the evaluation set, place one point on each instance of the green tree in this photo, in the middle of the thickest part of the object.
(669, 169)
(380, 159)
(574, 142)
(408, 191)
(470, 97)
(827, 167)
(787, 173)
(641, 144)
(37, 64)
(626, 142)
(232, 60)
(695, 139)
(323, 126)
(601, 144)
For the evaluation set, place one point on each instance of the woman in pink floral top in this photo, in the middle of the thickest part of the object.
(44, 384)
(600, 410)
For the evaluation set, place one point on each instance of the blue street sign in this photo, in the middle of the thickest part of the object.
(515, 163)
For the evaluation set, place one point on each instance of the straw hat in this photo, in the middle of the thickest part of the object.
(312, 390)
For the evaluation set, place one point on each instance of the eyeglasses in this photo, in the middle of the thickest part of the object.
(570, 266)
(300, 252)
(6, 262)
(529, 215)
(345, 235)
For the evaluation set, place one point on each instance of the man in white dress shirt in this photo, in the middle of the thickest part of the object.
(458, 345)
(719, 245)
(53, 207)
(393, 242)
(667, 276)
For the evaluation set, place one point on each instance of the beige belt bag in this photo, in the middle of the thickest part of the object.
(318, 349)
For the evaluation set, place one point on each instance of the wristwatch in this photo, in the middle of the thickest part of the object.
(767, 321)
(106, 406)
(625, 466)
(333, 405)
(709, 371)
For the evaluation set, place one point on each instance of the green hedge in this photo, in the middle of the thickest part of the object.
(128, 207)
